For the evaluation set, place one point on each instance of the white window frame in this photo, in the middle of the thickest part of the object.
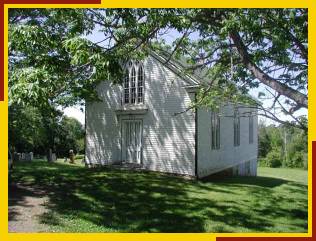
(126, 88)
(140, 99)
(215, 131)
(134, 98)
(236, 129)
(251, 132)
(133, 82)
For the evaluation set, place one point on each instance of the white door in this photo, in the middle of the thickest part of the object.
(132, 141)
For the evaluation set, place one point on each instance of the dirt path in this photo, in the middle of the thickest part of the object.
(26, 205)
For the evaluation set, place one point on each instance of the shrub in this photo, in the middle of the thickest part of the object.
(273, 159)
(297, 160)
(262, 162)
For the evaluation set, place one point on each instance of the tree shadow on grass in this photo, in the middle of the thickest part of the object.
(18, 198)
(136, 201)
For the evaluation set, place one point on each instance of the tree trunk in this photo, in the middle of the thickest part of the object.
(50, 155)
(11, 156)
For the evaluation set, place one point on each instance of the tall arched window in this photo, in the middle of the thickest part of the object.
(134, 83)
(140, 85)
(126, 87)
(133, 86)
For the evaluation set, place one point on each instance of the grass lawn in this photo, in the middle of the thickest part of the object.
(111, 200)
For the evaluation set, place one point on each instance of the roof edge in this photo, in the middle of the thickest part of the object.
(176, 68)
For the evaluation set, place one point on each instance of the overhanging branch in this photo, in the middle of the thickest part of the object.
(281, 88)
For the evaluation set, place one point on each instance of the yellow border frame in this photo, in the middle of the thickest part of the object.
(163, 4)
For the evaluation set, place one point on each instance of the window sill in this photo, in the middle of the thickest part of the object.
(132, 109)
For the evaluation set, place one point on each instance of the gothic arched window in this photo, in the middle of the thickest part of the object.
(134, 83)
(126, 87)
(140, 84)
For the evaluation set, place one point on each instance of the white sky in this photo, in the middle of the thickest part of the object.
(75, 112)
(97, 36)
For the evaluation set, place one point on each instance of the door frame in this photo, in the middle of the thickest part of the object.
(141, 136)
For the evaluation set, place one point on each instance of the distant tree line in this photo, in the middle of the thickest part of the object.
(282, 145)
(33, 130)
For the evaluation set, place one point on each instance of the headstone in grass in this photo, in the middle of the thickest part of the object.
(17, 156)
(28, 156)
(54, 158)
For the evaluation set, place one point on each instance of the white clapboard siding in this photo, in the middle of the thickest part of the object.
(212, 161)
(168, 139)
(102, 128)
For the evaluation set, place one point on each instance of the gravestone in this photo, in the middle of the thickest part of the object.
(54, 158)
(28, 156)
(17, 156)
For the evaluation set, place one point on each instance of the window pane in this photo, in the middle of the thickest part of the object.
(126, 96)
(218, 127)
(250, 129)
(235, 142)
(236, 129)
(213, 138)
(140, 76)
(215, 131)
(140, 84)
(126, 87)
(133, 86)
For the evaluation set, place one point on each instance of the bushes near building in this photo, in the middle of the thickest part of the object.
(282, 146)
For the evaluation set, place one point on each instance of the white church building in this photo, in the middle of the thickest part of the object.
(145, 121)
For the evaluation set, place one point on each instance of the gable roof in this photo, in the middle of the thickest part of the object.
(177, 67)
(194, 80)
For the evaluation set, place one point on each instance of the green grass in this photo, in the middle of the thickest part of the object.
(77, 161)
(296, 175)
(110, 200)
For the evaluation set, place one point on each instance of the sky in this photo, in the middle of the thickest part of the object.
(97, 36)
(75, 112)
